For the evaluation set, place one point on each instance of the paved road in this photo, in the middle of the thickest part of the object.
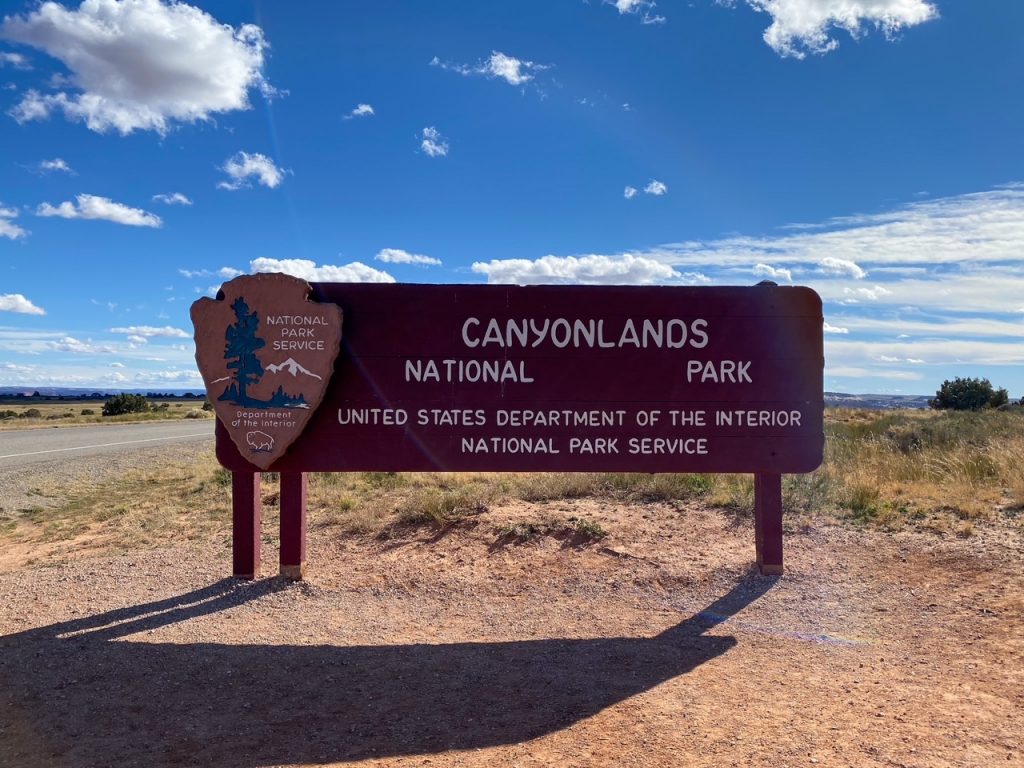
(19, 448)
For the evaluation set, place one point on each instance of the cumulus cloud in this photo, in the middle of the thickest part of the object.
(774, 273)
(242, 168)
(15, 302)
(629, 192)
(360, 110)
(591, 270)
(140, 64)
(655, 187)
(8, 228)
(508, 68)
(356, 272)
(57, 164)
(398, 256)
(100, 208)
(149, 331)
(174, 198)
(829, 328)
(433, 143)
(833, 266)
(800, 27)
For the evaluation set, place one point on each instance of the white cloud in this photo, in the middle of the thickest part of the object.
(508, 68)
(356, 272)
(766, 270)
(8, 228)
(74, 346)
(136, 340)
(100, 208)
(871, 294)
(225, 272)
(592, 269)
(891, 359)
(16, 60)
(833, 266)
(655, 187)
(398, 256)
(15, 302)
(433, 143)
(800, 27)
(243, 167)
(977, 228)
(643, 7)
(829, 328)
(936, 352)
(360, 110)
(140, 64)
(149, 331)
(629, 192)
(117, 365)
(871, 373)
(174, 198)
(57, 164)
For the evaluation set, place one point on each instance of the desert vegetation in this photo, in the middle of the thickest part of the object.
(15, 413)
(945, 472)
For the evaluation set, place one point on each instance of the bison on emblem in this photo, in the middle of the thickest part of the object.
(259, 441)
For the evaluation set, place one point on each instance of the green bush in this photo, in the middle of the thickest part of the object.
(125, 403)
(968, 395)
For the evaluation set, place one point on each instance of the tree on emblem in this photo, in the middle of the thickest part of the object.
(240, 349)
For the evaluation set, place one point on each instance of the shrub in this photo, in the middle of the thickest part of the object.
(968, 395)
(88, 412)
(31, 413)
(125, 403)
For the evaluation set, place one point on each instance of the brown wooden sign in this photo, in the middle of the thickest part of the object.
(267, 355)
(501, 378)
(564, 378)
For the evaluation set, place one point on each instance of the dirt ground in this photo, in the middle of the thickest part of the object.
(656, 646)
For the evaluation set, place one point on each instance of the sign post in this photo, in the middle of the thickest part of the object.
(513, 379)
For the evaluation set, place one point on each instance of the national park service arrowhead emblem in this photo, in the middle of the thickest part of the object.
(266, 353)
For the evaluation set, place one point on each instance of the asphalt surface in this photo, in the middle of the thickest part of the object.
(21, 448)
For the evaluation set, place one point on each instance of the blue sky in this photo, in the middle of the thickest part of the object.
(871, 149)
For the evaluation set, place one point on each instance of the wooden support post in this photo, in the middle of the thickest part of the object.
(293, 524)
(246, 508)
(768, 523)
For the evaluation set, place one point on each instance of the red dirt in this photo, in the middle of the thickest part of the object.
(656, 646)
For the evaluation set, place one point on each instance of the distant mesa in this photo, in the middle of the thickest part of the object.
(291, 367)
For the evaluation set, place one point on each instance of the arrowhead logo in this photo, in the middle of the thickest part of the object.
(266, 353)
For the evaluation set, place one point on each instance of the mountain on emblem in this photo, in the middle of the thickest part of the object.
(291, 367)
(255, 321)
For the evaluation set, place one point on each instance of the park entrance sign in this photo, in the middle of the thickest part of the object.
(505, 378)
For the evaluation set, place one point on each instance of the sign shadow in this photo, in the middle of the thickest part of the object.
(93, 691)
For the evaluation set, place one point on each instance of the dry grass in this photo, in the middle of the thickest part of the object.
(174, 503)
(941, 472)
